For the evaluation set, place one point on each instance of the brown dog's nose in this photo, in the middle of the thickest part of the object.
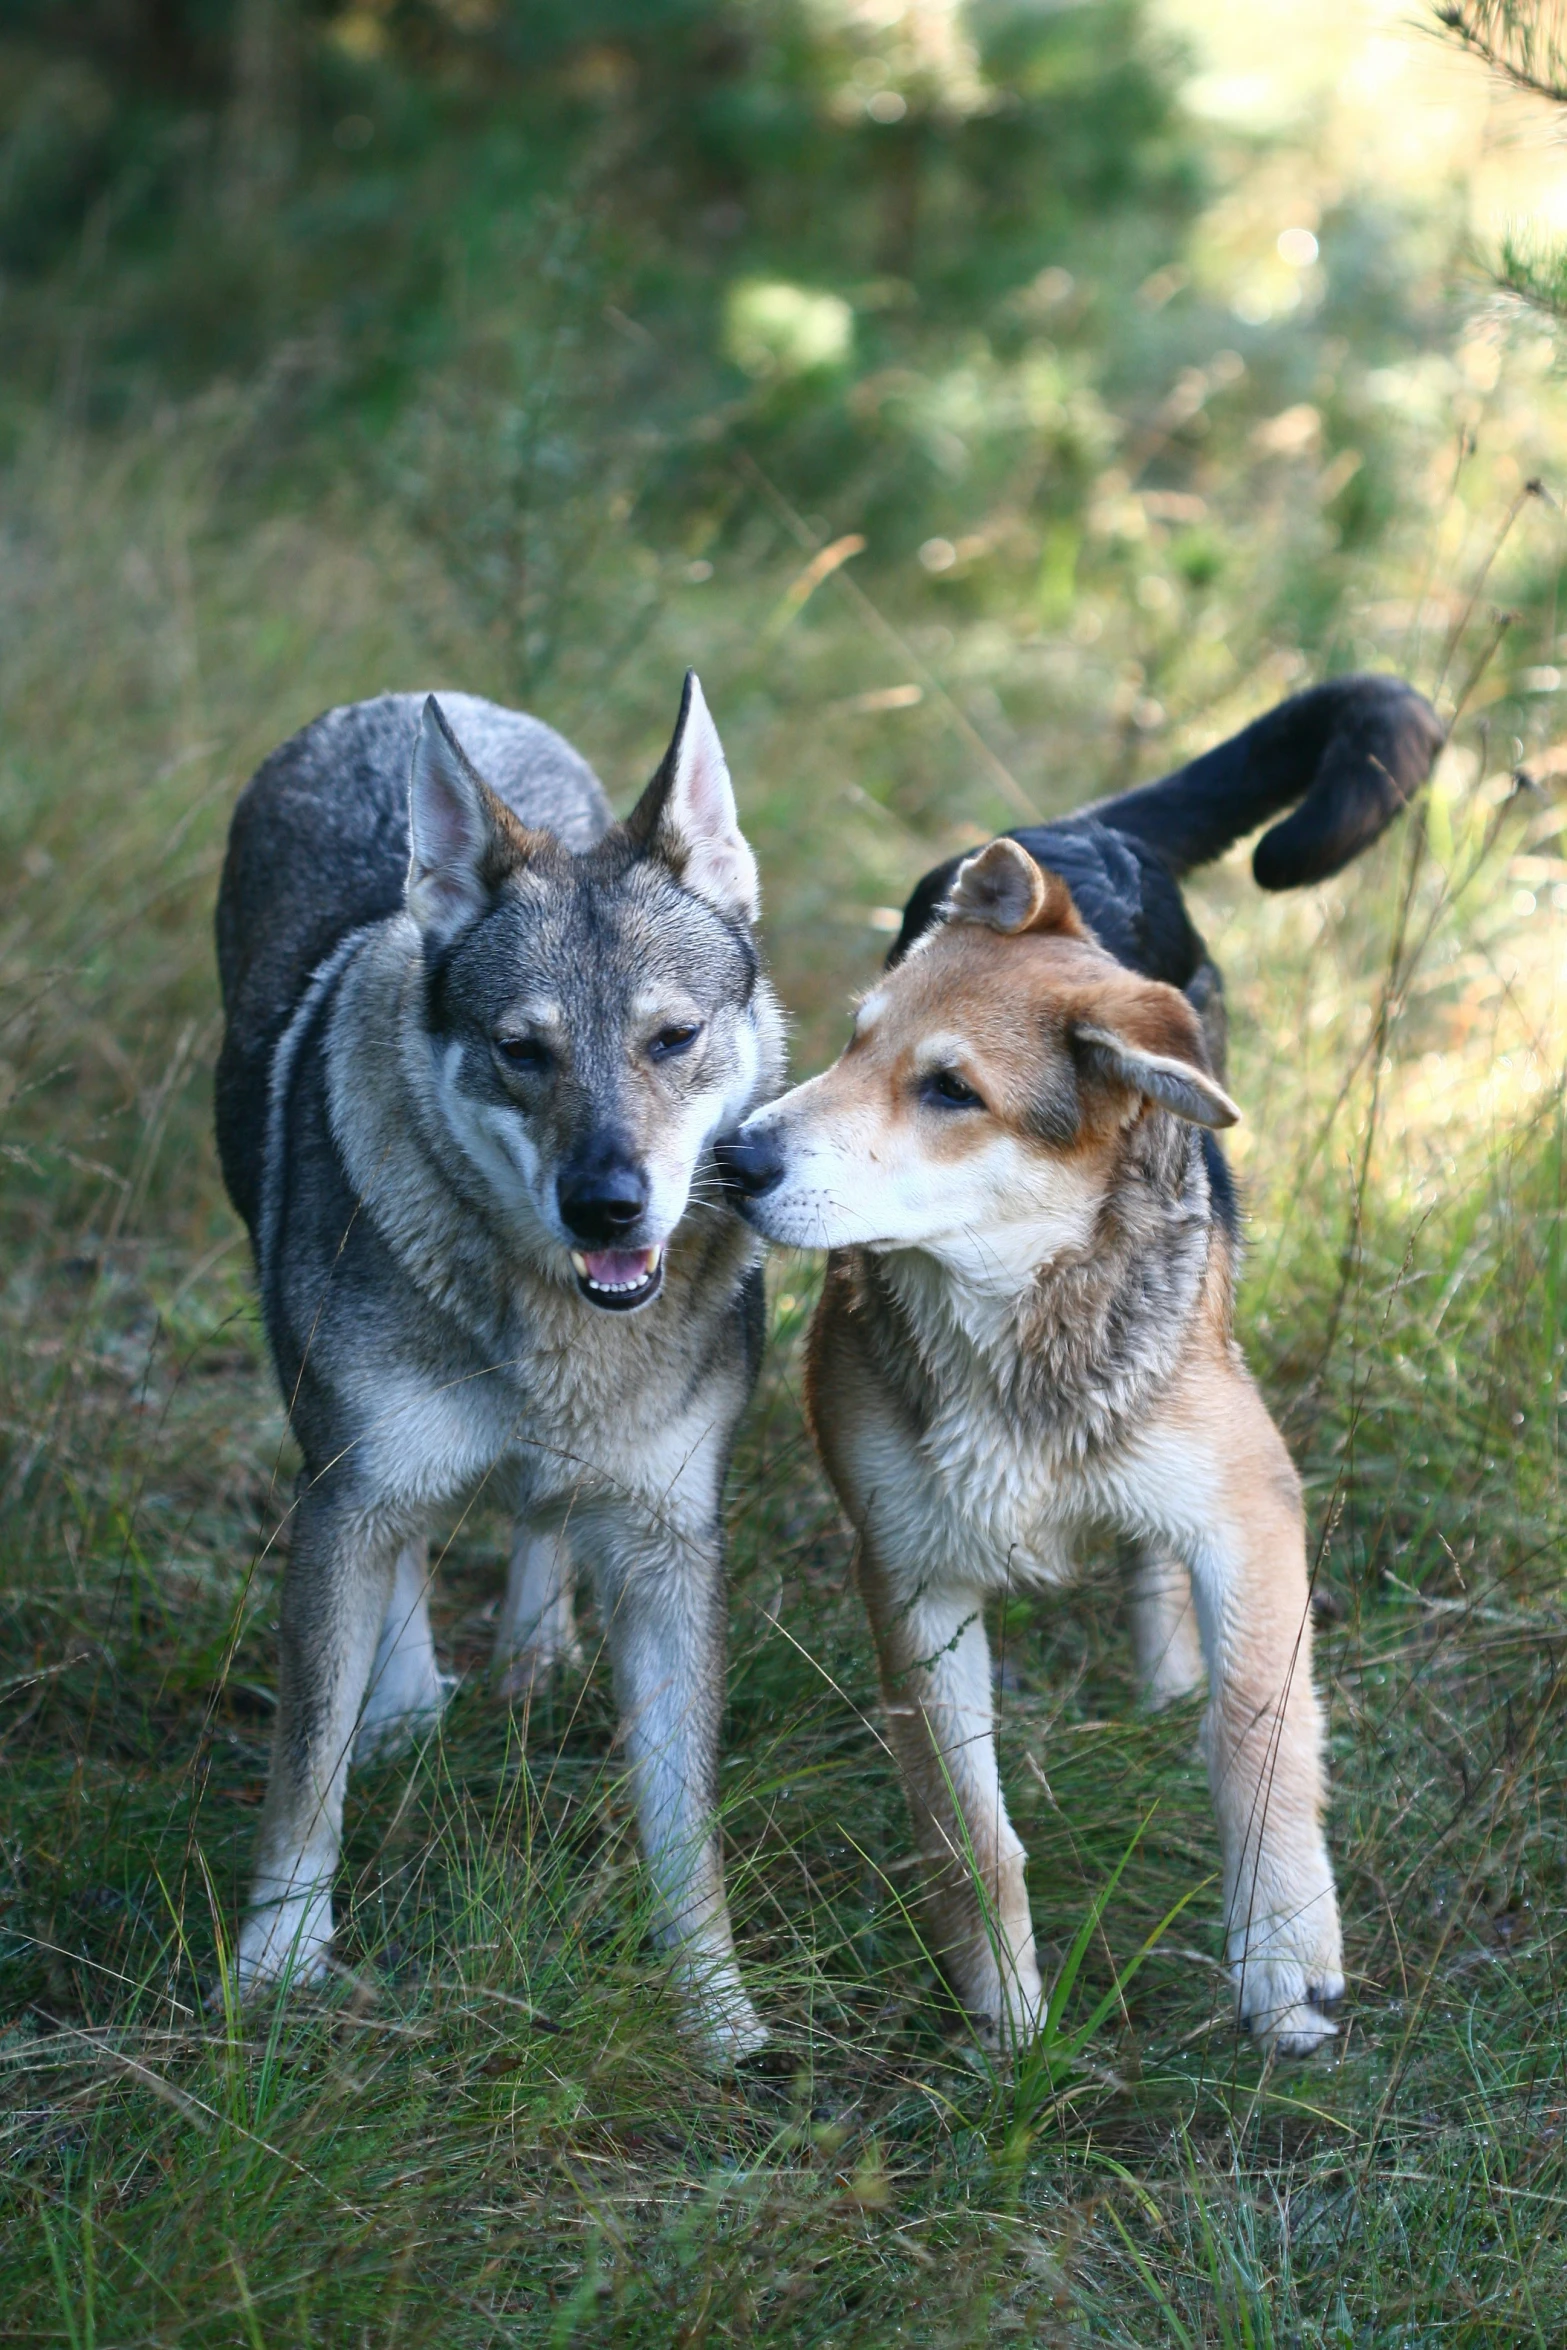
(753, 1164)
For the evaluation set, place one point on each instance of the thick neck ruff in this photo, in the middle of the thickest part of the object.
(1084, 1348)
(446, 1231)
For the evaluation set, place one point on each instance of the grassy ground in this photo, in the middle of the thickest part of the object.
(1105, 521)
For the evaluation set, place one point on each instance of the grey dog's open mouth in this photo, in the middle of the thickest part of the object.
(619, 1279)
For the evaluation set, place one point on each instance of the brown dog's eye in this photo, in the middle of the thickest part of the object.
(670, 1042)
(944, 1089)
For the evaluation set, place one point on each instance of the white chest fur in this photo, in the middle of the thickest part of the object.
(973, 1499)
(1001, 1510)
(983, 1494)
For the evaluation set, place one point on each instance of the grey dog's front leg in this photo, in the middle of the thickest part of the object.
(335, 1593)
(663, 1601)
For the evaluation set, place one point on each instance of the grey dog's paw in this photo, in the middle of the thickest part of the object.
(287, 1942)
(721, 2022)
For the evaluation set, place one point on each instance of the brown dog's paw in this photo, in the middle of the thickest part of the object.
(1287, 2001)
(1287, 1965)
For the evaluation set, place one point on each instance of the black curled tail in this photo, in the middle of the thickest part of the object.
(1346, 756)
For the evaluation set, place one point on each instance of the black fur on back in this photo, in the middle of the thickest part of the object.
(1124, 891)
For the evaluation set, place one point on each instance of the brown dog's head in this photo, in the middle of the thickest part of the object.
(977, 1110)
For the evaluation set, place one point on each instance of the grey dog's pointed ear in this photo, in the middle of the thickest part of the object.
(462, 840)
(1002, 888)
(688, 818)
(1176, 1080)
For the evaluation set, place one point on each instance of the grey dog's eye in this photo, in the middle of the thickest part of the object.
(944, 1089)
(524, 1053)
(678, 1038)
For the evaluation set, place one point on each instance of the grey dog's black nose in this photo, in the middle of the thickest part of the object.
(753, 1163)
(602, 1197)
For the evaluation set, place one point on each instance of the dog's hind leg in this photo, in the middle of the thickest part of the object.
(336, 1590)
(935, 1676)
(1166, 1641)
(408, 1691)
(535, 1631)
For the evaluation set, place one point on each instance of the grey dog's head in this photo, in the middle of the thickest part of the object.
(593, 1022)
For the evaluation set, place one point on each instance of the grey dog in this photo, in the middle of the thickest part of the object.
(480, 1041)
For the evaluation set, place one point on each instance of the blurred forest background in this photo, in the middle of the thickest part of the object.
(995, 403)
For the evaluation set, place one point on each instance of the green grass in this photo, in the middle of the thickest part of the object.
(486, 2128)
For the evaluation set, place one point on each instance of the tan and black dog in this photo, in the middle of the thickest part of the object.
(1026, 1329)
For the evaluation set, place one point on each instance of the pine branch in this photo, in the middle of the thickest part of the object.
(1522, 40)
(1534, 269)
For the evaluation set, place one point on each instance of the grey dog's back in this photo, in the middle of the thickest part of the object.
(319, 848)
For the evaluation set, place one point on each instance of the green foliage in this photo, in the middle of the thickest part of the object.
(415, 347)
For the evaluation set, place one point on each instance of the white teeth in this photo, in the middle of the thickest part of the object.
(618, 1288)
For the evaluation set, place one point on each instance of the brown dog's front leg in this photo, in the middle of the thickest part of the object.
(935, 1677)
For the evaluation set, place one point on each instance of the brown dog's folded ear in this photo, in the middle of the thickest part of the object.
(1156, 1050)
(1002, 888)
